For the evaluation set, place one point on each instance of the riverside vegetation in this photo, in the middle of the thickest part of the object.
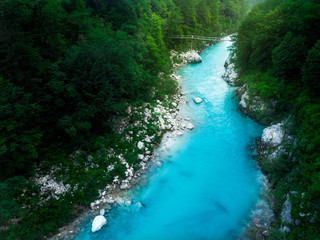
(69, 70)
(277, 58)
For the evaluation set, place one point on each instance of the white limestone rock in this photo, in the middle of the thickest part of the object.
(98, 223)
(190, 126)
(243, 100)
(179, 133)
(197, 100)
(191, 57)
(110, 200)
(230, 76)
(140, 145)
(273, 135)
(102, 212)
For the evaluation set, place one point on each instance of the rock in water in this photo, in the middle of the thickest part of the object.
(190, 126)
(98, 223)
(197, 100)
(102, 212)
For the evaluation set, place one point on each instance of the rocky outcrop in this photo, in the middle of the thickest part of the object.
(256, 107)
(50, 187)
(190, 57)
(98, 223)
(230, 75)
(273, 135)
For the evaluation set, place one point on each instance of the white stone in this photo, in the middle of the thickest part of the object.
(140, 145)
(140, 156)
(179, 133)
(273, 135)
(190, 126)
(110, 201)
(102, 212)
(98, 223)
(244, 97)
(197, 100)
(230, 76)
(159, 164)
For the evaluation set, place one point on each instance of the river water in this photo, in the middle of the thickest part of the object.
(208, 183)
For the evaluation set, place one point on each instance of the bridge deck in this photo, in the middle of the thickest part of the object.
(204, 38)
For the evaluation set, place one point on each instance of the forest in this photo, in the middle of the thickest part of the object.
(277, 53)
(68, 67)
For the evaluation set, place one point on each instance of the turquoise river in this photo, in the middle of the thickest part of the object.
(208, 183)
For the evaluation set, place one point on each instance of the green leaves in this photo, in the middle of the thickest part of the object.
(311, 70)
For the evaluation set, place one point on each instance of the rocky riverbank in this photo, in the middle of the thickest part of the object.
(164, 115)
(273, 213)
(262, 216)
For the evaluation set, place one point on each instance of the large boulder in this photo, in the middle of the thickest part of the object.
(191, 57)
(98, 223)
(273, 135)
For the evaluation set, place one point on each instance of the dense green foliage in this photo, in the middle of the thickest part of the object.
(278, 55)
(67, 67)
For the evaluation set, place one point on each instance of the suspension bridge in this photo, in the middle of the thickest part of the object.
(194, 37)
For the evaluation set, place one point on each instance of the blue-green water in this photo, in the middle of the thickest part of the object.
(208, 184)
